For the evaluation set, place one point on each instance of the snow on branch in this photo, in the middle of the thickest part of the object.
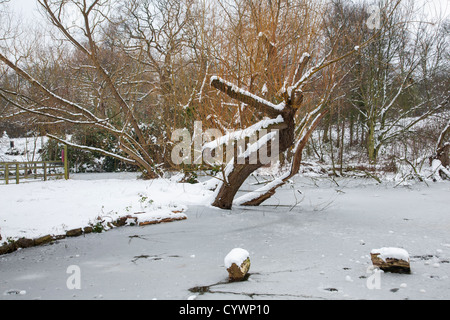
(301, 66)
(307, 127)
(267, 189)
(389, 133)
(242, 134)
(308, 74)
(404, 86)
(246, 97)
(253, 149)
(438, 170)
(41, 112)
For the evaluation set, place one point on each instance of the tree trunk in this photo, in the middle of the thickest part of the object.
(371, 150)
(442, 153)
(443, 146)
(229, 188)
(240, 172)
(257, 197)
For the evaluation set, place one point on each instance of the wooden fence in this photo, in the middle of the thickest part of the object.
(17, 171)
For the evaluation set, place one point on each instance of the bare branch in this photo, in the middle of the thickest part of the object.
(92, 149)
(246, 97)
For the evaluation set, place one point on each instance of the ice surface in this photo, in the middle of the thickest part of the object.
(304, 246)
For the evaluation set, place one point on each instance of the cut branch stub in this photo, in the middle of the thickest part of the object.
(237, 263)
(238, 273)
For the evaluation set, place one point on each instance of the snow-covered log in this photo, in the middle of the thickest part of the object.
(395, 260)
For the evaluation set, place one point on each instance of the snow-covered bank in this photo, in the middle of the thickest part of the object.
(32, 210)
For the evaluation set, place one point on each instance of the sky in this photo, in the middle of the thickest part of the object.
(32, 19)
(29, 8)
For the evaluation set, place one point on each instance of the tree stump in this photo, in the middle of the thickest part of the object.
(237, 263)
(394, 260)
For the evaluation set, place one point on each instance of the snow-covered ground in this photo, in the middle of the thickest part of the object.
(32, 210)
(312, 240)
(24, 150)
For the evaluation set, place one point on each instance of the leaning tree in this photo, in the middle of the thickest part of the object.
(288, 87)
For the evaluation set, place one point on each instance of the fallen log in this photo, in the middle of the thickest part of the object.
(394, 260)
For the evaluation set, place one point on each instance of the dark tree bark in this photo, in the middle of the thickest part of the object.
(240, 172)
(443, 147)
(441, 157)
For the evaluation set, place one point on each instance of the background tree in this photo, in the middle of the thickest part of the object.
(109, 103)
(393, 78)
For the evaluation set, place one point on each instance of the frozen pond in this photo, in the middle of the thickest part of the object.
(310, 245)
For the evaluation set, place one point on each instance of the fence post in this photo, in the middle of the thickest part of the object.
(45, 171)
(66, 163)
(7, 173)
(17, 174)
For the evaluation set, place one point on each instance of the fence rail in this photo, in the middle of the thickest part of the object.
(16, 171)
